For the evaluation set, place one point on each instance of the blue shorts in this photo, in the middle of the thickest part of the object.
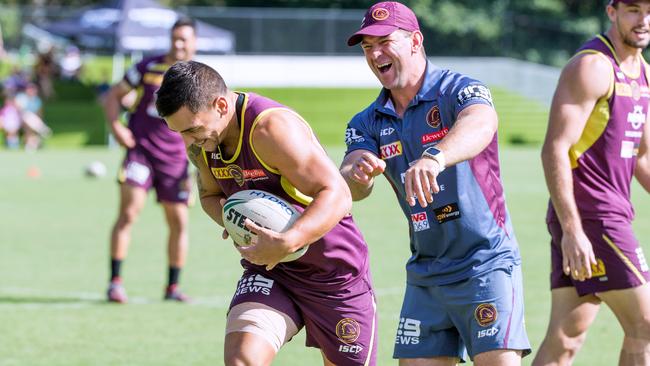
(481, 314)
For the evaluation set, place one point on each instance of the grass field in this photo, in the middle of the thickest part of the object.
(54, 268)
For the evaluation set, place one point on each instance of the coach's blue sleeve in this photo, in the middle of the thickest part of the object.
(465, 91)
(360, 135)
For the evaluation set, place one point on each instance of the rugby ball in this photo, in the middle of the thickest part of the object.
(96, 169)
(263, 208)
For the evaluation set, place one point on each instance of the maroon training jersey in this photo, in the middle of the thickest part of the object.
(151, 131)
(337, 260)
(604, 157)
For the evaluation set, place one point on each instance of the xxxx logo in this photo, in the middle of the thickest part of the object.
(391, 150)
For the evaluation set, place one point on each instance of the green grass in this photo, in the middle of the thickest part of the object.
(54, 269)
(77, 118)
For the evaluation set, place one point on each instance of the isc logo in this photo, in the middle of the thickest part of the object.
(408, 331)
(346, 348)
(487, 332)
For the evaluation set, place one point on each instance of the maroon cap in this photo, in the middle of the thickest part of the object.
(383, 19)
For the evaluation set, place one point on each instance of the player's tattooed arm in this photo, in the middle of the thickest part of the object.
(199, 184)
(194, 154)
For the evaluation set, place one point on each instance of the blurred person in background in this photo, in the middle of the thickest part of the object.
(30, 106)
(44, 72)
(10, 122)
(70, 64)
(155, 157)
(598, 138)
(432, 133)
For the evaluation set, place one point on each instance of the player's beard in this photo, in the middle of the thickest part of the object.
(628, 41)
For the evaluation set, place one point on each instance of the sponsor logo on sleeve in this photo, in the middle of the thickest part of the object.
(391, 150)
(485, 314)
(433, 137)
(352, 137)
(420, 221)
(408, 331)
(474, 92)
(447, 213)
(433, 117)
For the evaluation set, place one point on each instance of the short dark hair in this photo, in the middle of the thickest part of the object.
(191, 84)
(184, 22)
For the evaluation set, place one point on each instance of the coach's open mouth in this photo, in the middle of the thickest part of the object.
(384, 67)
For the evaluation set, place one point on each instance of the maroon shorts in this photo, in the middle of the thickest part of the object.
(342, 324)
(621, 263)
(168, 177)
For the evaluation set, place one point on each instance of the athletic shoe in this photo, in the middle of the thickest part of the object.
(116, 292)
(172, 293)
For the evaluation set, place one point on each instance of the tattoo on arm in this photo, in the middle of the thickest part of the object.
(199, 185)
(194, 153)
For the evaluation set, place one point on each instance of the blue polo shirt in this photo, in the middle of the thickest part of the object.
(466, 231)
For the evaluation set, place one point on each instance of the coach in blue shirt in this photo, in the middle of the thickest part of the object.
(432, 133)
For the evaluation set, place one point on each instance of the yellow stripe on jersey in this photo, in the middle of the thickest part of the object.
(594, 128)
(153, 78)
(597, 121)
(292, 191)
(625, 259)
(139, 93)
(162, 67)
(241, 132)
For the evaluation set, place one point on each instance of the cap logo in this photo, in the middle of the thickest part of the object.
(380, 14)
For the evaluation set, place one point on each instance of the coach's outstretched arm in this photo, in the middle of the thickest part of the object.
(305, 166)
(574, 99)
(472, 132)
(642, 170)
(359, 169)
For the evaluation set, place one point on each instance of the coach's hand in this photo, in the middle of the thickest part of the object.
(365, 167)
(268, 247)
(577, 255)
(421, 182)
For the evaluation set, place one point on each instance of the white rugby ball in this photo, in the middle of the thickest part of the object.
(263, 208)
(96, 169)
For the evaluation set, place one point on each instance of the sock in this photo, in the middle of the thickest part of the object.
(174, 273)
(116, 265)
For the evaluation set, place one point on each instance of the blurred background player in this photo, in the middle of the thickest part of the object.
(598, 138)
(243, 141)
(432, 133)
(155, 157)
